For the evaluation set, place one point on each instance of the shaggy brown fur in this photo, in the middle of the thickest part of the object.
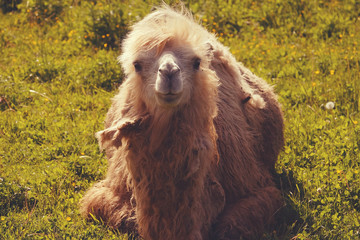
(192, 138)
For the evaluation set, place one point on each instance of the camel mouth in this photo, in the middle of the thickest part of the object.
(168, 99)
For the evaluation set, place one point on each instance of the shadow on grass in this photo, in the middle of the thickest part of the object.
(288, 222)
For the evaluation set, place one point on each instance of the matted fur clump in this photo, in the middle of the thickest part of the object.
(192, 138)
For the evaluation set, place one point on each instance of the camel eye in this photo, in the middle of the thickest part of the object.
(197, 63)
(137, 66)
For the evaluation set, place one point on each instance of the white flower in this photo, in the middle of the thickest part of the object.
(330, 105)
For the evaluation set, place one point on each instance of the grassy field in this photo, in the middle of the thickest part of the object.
(58, 72)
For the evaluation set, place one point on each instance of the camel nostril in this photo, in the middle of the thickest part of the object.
(175, 70)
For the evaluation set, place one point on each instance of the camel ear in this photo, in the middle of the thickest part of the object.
(113, 135)
(209, 50)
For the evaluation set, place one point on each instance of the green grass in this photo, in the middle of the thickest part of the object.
(58, 72)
